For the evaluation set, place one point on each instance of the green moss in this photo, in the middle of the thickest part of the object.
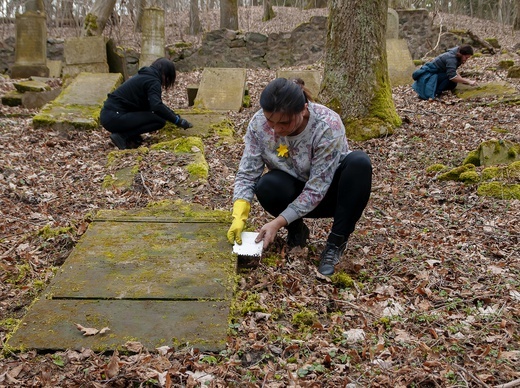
(182, 145)
(47, 232)
(246, 101)
(506, 63)
(493, 42)
(342, 280)
(454, 174)
(490, 173)
(435, 167)
(90, 24)
(224, 129)
(418, 62)
(499, 190)
(304, 318)
(10, 324)
(187, 210)
(271, 261)
(199, 169)
(473, 158)
(469, 177)
(247, 302)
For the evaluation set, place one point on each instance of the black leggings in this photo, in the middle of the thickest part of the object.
(345, 200)
(130, 124)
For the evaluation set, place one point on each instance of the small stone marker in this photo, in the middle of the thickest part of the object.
(159, 276)
(85, 54)
(31, 46)
(400, 63)
(392, 24)
(312, 78)
(221, 89)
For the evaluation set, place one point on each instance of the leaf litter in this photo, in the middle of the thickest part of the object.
(431, 297)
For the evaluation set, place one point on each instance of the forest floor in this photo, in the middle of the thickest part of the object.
(430, 295)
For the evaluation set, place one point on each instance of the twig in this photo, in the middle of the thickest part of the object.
(144, 185)
(511, 384)
(350, 304)
(473, 377)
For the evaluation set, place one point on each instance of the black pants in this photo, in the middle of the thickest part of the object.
(345, 200)
(444, 83)
(130, 124)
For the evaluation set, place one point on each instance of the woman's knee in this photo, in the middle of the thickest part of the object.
(359, 160)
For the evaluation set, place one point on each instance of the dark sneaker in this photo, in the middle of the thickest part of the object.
(134, 142)
(119, 141)
(330, 257)
(297, 234)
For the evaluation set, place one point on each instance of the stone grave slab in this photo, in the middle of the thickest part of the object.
(312, 78)
(221, 89)
(500, 90)
(161, 275)
(400, 63)
(204, 125)
(145, 260)
(51, 324)
(85, 54)
(79, 104)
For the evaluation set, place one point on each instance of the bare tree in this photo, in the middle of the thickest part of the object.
(96, 19)
(268, 11)
(229, 14)
(356, 82)
(195, 26)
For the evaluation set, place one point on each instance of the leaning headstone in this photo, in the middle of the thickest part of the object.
(31, 46)
(116, 59)
(85, 54)
(221, 89)
(400, 63)
(152, 36)
(79, 104)
(312, 78)
(55, 67)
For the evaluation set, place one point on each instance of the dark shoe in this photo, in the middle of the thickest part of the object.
(134, 142)
(330, 257)
(297, 234)
(119, 141)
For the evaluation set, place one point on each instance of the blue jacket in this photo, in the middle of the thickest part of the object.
(426, 80)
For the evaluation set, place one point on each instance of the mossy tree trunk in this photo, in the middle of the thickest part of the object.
(356, 82)
(96, 19)
(195, 26)
(268, 11)
(229, 14)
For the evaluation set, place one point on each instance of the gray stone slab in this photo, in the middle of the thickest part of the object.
(79, 104)
(400, 63)
(51, 324)
(84, 50)
(145, 260)
(312, 78)
(221, 89)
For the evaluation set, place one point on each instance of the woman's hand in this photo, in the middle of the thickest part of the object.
(268, 232)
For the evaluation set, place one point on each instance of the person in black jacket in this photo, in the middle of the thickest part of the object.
(136, 106)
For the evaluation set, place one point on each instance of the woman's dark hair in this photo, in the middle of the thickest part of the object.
(167, 70)
(283, 95)
(466, 50)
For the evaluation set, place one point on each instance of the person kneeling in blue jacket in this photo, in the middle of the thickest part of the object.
(440, 74)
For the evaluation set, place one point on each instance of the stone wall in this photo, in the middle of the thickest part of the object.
(304, 45)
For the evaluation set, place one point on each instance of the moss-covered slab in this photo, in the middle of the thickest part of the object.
(31, 86)
(163, 275)
(489, 89)
(144, 260)
(205, 124)
(221, 89)
(51, 324)
(79, 104)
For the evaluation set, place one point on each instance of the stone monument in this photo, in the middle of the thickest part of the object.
(152, 36)
(31, 46)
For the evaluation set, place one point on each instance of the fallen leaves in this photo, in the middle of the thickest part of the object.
(89, 331)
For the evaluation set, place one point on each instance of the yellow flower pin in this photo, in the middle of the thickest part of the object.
(283, 151)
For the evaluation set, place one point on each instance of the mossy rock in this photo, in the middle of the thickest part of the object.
(490, 89)
(455, 174)
(31, 86)
(493, 42)
(513, 72)
(506, 63)
(12, 98)
(494, 152)
(499, 190)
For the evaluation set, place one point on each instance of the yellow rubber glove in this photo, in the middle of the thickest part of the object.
(241, 210)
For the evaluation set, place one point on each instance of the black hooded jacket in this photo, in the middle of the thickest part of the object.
(142, 92)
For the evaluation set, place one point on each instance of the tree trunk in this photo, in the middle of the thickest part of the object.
(229, 14)
(355, 82)
(35, 6)
(195, 26)
(96, 19)
(516, 22)
(268, 11)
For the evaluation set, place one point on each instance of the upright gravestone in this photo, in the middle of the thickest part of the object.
(312, 78)
(85, 54)
(152, 36)
(31, 46)
(400, 63)
(392, 24)
(221, 89)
